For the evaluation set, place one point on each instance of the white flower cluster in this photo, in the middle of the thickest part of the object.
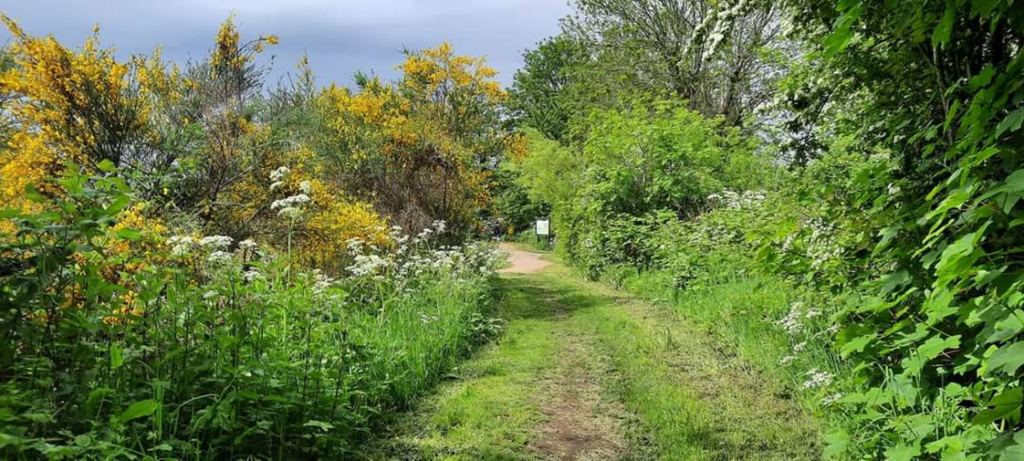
(816, 379)
(181, 245)
(717, 26)
(216, 241)
(409, 257)
(252, 275)
(793, 321)
(821, 245)
(369, 265)
(831, 399)
(291, 207)
(737, 201)
(322, 283)
(278, 176)
(796, 322)
(219, 257)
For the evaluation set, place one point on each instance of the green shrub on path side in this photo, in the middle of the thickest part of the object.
(219, 350)
(937, 334)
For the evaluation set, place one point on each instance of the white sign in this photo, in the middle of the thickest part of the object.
(543, 227)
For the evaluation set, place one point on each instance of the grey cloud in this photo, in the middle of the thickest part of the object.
(340, 37)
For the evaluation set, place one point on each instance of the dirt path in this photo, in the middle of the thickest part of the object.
(522, 262)
(583, 372)
(582, 422)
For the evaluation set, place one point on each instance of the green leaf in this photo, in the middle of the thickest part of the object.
(107, 166)
(836, 444)
(903, 453)
(945, 28)
(139, 409)
(983, 78)
(325, 426)
(129, 234)
(1007, 358)
(935, 345)
(857, 344)
(1008, 327)
(1011, 123)
(1015, 182)
(116, 357)
(1003, 405)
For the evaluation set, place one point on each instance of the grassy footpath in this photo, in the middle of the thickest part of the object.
(586, 372)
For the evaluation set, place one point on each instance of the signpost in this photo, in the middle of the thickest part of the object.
(544, 230)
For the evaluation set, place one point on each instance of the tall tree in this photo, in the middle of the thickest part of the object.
(719, 55)
(539, 96)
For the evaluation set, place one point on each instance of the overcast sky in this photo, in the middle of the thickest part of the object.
(340, 36)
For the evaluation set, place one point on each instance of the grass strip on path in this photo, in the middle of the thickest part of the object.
(586, 372)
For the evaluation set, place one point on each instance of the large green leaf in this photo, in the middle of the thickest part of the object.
(140, 409)
(943, 32)
(1007, 359)
(1006, 404)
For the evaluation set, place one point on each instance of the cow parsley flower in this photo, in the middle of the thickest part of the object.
(280, 174)
(216, 241)
(816, 379)
(306, 187)
(181, 245)
(219, 257)
(251, 275)
(829, 400)
(290, 202)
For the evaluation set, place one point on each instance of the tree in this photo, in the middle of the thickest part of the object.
(718, 55)
(538, 97)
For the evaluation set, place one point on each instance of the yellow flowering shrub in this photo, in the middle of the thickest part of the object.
(68, 106)
(333, 223)
(418, 149)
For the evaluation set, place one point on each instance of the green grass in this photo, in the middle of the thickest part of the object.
(695, 397)
(739, 311)
(491, 411)
(686, 394)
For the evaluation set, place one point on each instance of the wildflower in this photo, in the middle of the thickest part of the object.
(800, 347)
(180, 245)
(787, 360)
(247, 244)
(812, 313)
(251, 275)
(216, 241)
(210, 294)
(323, 283)
(829, 400)
(219, 257)
(791, 322)
(290, 202)
(306, 187)
(280, 174)
(817, 379)
(290, 212)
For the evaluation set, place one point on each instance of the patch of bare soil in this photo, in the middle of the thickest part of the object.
(580, 424)
(522, 262)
